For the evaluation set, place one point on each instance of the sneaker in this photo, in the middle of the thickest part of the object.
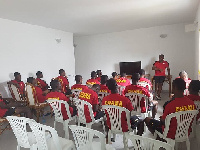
(158, 97)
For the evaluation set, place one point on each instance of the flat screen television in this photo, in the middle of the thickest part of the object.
(130, 67)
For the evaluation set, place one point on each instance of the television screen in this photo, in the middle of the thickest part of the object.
(130, 67)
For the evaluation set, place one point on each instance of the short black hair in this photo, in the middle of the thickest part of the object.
(78, 78)
(61, 71)
(104, 79)
(112, 84)
(16, 74)
(38, 73)
(98, 71)
(179, 84)
(123, 74)
(135, 77)
(93, 74)
(96, 86)
(30, 80)
(54, 84)
(141, 72)
(195, 85)
(162, 55)
(114, 74)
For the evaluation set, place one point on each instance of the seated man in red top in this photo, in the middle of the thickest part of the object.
(134, 88)
(179, 103)
(93, 79)
(41, 83)
(18, 83)
(103, 87)
(115, 99)
(40, 95)
(90, 95)
(123, 81)
(160, 67)
(143, 79)
(99, 74)
(114, 75)
(79, 85)
(56, 94)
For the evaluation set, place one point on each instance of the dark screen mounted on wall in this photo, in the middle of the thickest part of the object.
(130, 67)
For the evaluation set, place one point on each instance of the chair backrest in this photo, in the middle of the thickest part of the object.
(121, 89)
(114, 113)
(83, 137)
(144, 143)
(81, 111)
(31, 94)
(184, 120)
(76, 92)
(144, 84)
(39, 132)
(56, 105)
(18, 125)
(136, 99)
(197, 104)
(89, 85)
(101, 95)
(15, 92)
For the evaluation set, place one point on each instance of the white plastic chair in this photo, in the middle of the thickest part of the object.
(83, 138)
(101, 95)
(121, 89)
(56, 105)
(144, 143)
(144, 84)
(184, 119)
(52, 143)
(24, 139)
(114, 114)
(76, 92)
(89, 85)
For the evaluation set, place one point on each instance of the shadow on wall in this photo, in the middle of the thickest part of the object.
(148, 68)
(4, 90)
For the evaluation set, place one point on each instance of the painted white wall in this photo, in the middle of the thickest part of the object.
(105, 51)
(28, 48)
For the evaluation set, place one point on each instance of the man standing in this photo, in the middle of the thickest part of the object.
(160, 67)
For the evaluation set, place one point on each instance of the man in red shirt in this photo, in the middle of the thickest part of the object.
(63, 81)
(93, 79)
(41, 83)
(160, 67)
(179, 103)
(39, 94)
(103, 87)
(123, 81)
(143, 79)
(79, 85)
(55, 94)
(18, 83)
(99, 74)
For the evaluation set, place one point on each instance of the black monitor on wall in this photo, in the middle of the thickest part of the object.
(130, 67)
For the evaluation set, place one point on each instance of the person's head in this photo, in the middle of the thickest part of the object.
(183, 75)
(62, 72)
(93, 74)
(114, 75)
(96, 88)
(55, 85)
(17, 76)
(123, 74)
(161, 57)
(104, 79)
(112, 85)
(32, 80)
(178, 86)
(39, 74)
(78, 79)
(99, 73)
(142, 72)
(194, 87)
(135, 78)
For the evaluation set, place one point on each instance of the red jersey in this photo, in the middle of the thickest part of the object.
(42, 84)
(161, 65)
(194, 98)
(92, 82)
(178, 104)
(90, 96)
(21, 85)
(64, 82)
(146, 80)
(79, 87)
(104, 88)
(123, 81)
(60, 96)
(39, 94)
(140, 90)
(2, 111)
(99, 79)
(118, 100)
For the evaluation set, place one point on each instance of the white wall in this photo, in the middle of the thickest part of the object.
(28, 48)
(105, 51)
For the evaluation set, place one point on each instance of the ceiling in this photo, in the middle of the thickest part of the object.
(85, 17)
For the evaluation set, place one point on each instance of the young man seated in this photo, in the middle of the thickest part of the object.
(79, 85)
(143, 79)
(93, 79)
(115, 99)
(123, 81)
(56, 94)
(18, 83)
(40, 95)
(103, 87)
(91, 96)
(178, 103)
(41, 83)
(99, 74)
(9, 108)
(134, 88)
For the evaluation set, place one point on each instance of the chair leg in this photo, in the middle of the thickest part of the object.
(188, 144)
(18, 147)
(109, 136)
(66, 129)
(125, 141)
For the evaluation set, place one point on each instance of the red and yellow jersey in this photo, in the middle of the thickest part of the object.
(123, 81)
(39, 94)
(104, 88)
(42, 84)
(64, 83)
(2, 111)
(21, 85)
(194, 98)
(146, 80)
(161, 65)
(79, 87)
(92, 82)
(99, 79)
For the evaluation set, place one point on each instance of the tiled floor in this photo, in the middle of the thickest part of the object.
(9, 142)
